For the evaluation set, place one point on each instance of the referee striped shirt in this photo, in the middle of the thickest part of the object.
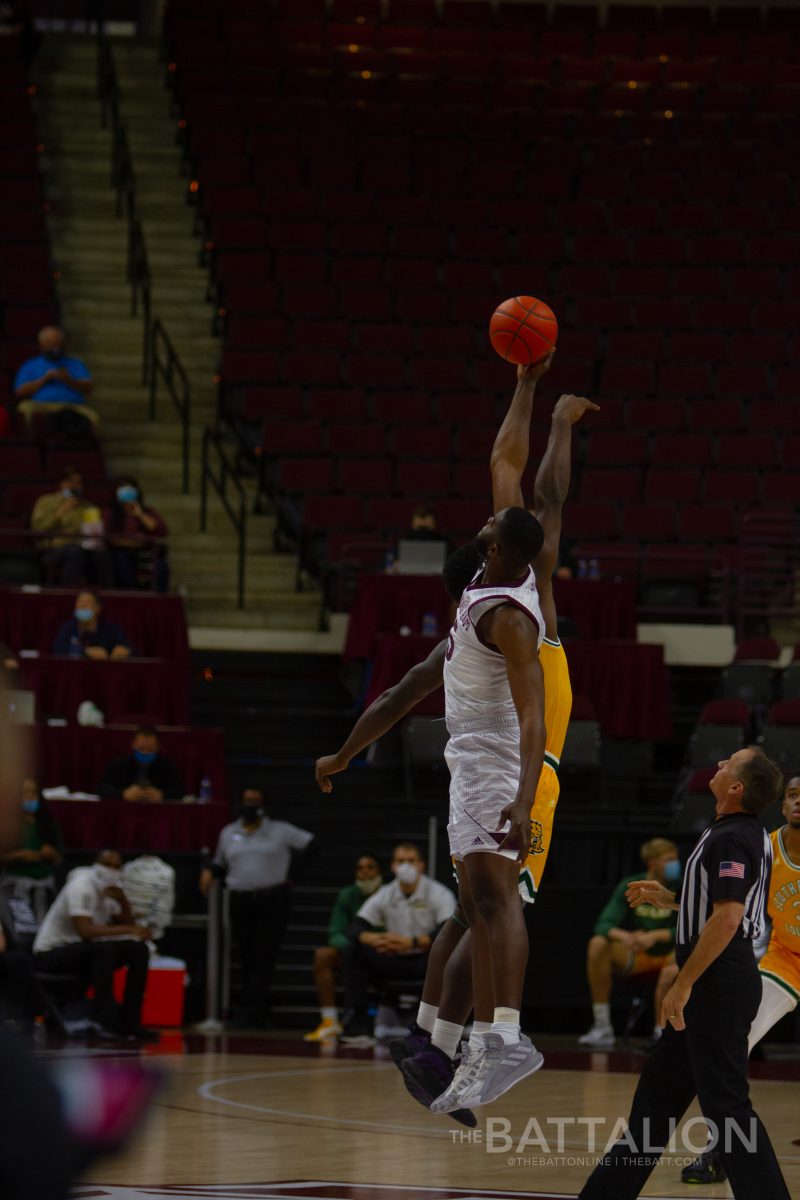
(732, 861)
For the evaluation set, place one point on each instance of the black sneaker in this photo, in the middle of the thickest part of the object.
(406, 1047)
(708, 1167)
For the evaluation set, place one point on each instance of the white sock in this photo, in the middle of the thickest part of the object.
(330, 1014)
(479, 1028)
(602, 1015)
(426, 1016)
(657, 1032)
(446, 1036)
(506, 1023)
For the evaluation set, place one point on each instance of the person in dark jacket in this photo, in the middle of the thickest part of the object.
(132, 526)
(87, 634)
(144, 775)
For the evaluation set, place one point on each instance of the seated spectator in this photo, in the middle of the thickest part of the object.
(29, 865)
(51, 382)
(424, 527)
(327, 959)
(149, 884)
(8, 658)
(144, 775)
(130, 527)
(391, 935)
(88, 634)
(22, 998)
(628, 942)
(90, 932)
(74, 551)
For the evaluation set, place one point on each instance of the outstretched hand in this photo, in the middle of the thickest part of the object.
(329, 764)
(571, 408)
(531, 372)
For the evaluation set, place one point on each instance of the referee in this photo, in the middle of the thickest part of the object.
(708, 1011)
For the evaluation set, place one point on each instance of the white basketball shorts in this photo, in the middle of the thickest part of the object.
(484, 776)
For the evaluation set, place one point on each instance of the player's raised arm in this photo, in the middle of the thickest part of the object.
(383, 713)
(512, 444)
(553, 478)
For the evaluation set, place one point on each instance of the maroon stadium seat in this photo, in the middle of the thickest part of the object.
(593, 520)
(364, 476)
(666, 415)
(648, 521)
(303, 476)
(702, 522)
(291, 437)
(676, 484)
(411, 442)
(747, 450)
(681, 449)
(732, 487)
(610, 484)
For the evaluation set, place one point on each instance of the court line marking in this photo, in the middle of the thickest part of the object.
(206, 1090)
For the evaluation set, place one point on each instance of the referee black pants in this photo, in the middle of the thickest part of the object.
(708, 1060)
(259, 921)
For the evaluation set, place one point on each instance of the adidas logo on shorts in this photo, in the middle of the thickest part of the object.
(476, 842)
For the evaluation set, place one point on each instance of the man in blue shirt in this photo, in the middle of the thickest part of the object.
(53, 380)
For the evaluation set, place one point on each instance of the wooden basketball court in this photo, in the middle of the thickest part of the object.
(266, 1118)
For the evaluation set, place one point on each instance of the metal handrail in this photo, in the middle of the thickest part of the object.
(163, 364)
(237, 515)
(138, 272)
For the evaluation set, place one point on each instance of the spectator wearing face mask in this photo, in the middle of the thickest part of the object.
(73, 549)
(39, 850)
(327, 959)
(131, 527)
(143, 776)
(90, 932)
(255, 856)
(52, 381)
(391, 934)
(87, 634)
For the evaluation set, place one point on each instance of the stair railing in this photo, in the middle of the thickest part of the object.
(219, 476)
(164, 366)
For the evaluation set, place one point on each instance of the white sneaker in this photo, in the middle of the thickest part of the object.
(600, 1037)
(450, 1100)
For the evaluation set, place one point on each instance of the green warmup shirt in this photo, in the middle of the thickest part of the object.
(347, 904)
(619, 914)
(32, 841)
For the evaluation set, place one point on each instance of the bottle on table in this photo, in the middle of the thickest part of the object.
(583, 568)
(594, 568)
(388, 563)
(204, 796)
(430, 626)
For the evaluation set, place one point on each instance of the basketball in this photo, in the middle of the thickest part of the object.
(523, 330)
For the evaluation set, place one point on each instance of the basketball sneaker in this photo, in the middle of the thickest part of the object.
(496, 1071)
(427, 1075)
(708, 1167)
(599, 1037)
(415, 1042)
(326, 1030)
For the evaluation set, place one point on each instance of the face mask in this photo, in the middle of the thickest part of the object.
(84, 614)
(106, 876)
(368, 886)
(672, 871)
(52, 355)
(31, 806)
(144, 757)
(406, 872)
(250, 815)
(127, 494)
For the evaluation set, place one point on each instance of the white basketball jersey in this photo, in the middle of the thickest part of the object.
(476, 684)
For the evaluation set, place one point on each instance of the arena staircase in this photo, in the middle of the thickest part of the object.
(89, 249)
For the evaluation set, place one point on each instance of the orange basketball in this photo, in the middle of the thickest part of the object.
(523, 330)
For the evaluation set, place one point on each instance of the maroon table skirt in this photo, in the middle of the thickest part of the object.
(136, 828)
(626, 681)
(384, 603)
(77, 756)
(154, 625)
(144, 686)
(600, 608)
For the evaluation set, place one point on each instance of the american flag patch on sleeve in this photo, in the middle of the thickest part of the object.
(731, 870)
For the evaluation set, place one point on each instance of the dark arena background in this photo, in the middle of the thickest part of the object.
(249, 252)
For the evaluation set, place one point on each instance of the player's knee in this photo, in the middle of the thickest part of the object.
(326, 957)
(598, 948)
